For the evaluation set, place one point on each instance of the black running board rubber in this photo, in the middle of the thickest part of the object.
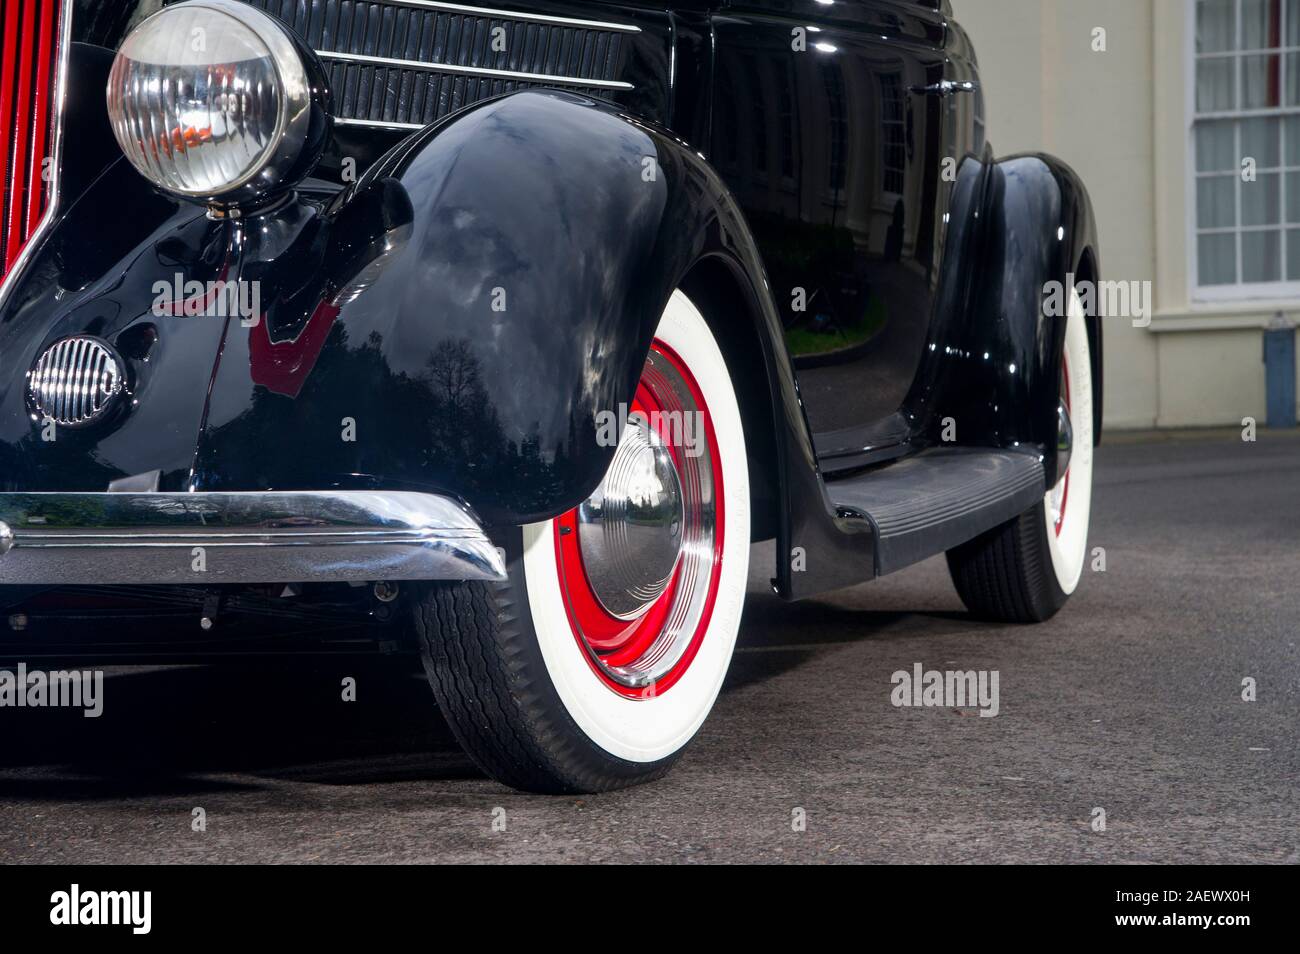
(930, 502)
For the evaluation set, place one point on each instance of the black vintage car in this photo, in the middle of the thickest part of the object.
(506, 332)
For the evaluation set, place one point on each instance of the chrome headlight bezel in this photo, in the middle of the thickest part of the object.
(302, 108)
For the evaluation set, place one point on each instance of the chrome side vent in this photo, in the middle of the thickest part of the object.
(75, 380)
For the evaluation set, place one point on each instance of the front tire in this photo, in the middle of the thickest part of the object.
(1024, 570)
(595, 663)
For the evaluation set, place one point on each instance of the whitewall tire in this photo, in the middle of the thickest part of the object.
(597, 662)
(1025, 569)
(1067, 507)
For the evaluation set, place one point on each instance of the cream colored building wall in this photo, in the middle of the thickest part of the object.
(1120, 118)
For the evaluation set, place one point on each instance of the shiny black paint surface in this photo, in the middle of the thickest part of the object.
(377, 295)
(95, 275)
(993, 358)
(833, 152)
(497, 405)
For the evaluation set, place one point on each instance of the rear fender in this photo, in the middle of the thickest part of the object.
(1021, 229)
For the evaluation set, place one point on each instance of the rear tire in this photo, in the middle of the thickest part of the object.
(1005, 574)
(1024, 570)
(595, 663)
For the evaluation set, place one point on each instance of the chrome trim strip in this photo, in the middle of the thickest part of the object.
(56, 154)
(52, 539)
(472, 70)
(375, 123)
(513, 15)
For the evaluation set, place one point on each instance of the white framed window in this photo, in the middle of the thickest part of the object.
(893, 134)
(1244, 155)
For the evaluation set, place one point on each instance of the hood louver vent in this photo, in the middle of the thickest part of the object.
(406, 63)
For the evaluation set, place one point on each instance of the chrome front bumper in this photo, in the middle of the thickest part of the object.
(271, 537)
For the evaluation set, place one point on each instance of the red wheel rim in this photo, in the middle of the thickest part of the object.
(646, 655)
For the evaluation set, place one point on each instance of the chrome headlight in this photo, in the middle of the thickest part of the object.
(216, 100)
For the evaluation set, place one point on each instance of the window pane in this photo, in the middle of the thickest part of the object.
(1261, 256)
(1215, 151)
(1293, 197)
(1215, 26)
(1292, 141)
(1293, 255)
(1260, 26)
(1261, 200)
(1217, 259)
(1293, 79)
(1215, 85)
(1261, 81)
(1259, 140)
(1215, 202)
(1293, 22)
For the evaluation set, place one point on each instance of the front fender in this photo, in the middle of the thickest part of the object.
(455, 322)
(544, 234)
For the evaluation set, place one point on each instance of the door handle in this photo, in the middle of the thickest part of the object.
(945, 88)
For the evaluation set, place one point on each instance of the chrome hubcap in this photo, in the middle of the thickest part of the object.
(1064, 439)
(640, 560)
(630, 529)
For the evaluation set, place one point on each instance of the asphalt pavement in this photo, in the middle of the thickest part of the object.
(1128, 702)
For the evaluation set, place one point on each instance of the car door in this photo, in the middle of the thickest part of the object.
(829, 127)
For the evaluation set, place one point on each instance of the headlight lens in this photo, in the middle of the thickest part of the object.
(211, 99)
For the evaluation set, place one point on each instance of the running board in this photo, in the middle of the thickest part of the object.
(928, 503)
